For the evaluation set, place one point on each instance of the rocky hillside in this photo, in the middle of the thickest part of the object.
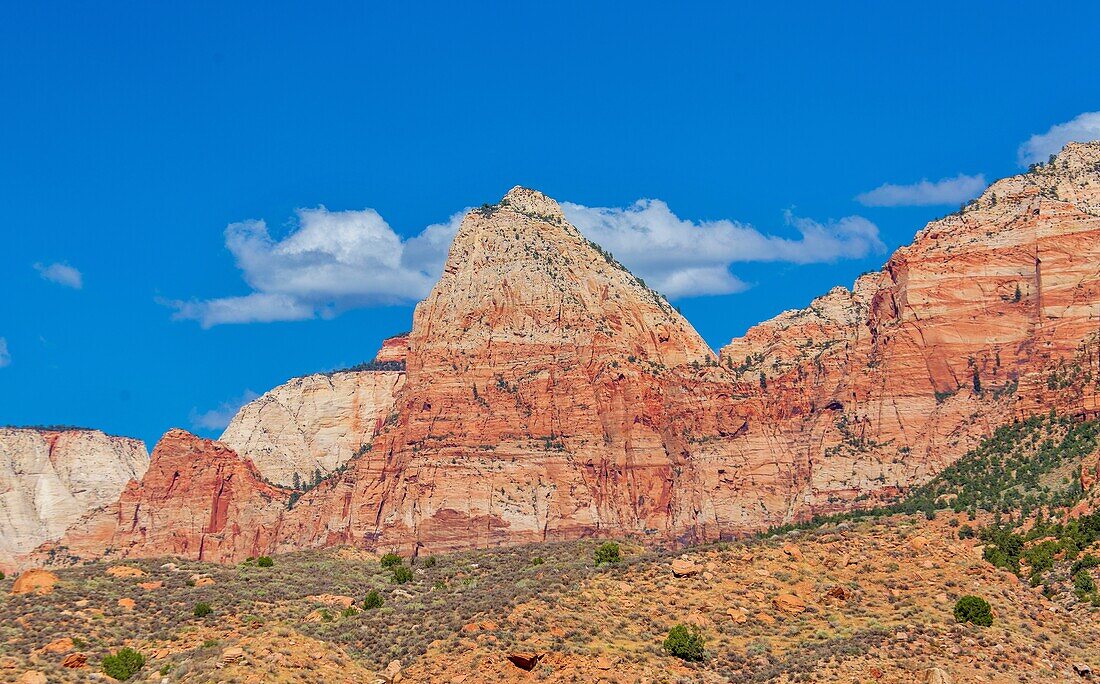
(310, 426)
(51, 477)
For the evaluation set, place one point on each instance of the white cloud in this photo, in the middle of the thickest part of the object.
(219, 418)
(5, 357)
(331, 262)
(945, 191)
(1082, 128)
(335, 261)
(682, 258)
(62, 274)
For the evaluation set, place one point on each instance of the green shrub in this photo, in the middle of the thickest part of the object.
(123, 665)
(265, 562)
(608, 552)
(429, 562)
(537, 560)
(373, 600)
(401, 574)
(2, 575)
(1084, 562)
(390, 560)
(966, 532)
(350, 611)
(686, 643)
(974, 609)
(202, 609)
(1083, 584)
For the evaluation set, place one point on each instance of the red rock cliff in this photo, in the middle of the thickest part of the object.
(198, 500)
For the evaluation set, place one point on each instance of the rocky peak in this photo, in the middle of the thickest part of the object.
(520, 273)
(532, 203)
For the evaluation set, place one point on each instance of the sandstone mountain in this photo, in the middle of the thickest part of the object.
(313, 425)
(991, 313)
(198, 500)
(549, 394)
(51, 477)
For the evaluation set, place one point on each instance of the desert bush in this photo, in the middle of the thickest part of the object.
(401, 575)
(1083, 584)
(685, 643)
(373, 600)
(265, 562)
(429, 562)
(608, 552)
(202, 609)
(974, 609)
(390, 560)
(123, 665)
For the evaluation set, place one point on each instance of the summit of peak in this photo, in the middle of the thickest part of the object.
(1079, 154)
(533, 203)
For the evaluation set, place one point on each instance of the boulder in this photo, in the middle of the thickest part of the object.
(525, 660)
(334, 600)
(232, 654)
(935, 675)
(793, 552)
(838, 592)
(392, 673)
(684, 568)
(127, 603)
(36, 581)
(75, 661)
(63, 645)
(125, 571)
(789, 603)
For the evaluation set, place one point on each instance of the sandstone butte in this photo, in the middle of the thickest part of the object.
(49, 478)
(549, 394)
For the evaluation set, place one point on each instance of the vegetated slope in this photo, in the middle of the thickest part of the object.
(867, 600)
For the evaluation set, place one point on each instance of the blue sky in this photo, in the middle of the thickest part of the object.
(133, 134)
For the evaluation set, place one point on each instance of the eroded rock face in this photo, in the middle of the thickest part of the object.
(991, 313)
(198, 500)
(550, 394)
(313, 425)
(50, 478)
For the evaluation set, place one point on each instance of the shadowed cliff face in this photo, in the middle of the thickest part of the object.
(549, 394)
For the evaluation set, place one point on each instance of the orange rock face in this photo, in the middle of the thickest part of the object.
(394, 350)
(198, 500)
(991, 313)
(549, 394)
